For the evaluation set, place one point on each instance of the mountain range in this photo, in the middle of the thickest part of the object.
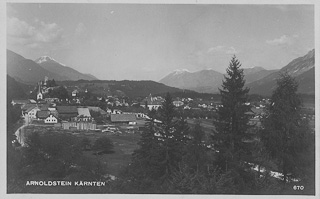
(302, 69)
(29, 72)
(259, 80)
(200, 81)
(208, 80)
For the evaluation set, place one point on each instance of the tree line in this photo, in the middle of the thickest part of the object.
(240, 157)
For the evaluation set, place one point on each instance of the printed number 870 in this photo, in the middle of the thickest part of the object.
(298, 188)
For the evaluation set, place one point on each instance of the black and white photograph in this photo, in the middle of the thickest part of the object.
(161, 99)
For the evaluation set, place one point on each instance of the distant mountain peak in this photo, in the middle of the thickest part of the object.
(310, 54)
(28, 71)
(180, 71)
(47, 58)
(255, 67)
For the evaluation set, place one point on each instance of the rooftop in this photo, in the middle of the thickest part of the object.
(84, 112)
(123, 117)
(67, 109)
(43, 114)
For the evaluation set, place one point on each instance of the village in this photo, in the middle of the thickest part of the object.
(72, 114)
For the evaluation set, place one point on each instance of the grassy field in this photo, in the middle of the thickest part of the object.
(124, 145)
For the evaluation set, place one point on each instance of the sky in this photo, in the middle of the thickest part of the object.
(149, 41)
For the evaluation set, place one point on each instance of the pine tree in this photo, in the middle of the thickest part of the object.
(231, 140)
(166, 115)
(286, 133)
(147, 156)
(196, 151)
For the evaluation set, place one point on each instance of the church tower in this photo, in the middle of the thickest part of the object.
(39, 95)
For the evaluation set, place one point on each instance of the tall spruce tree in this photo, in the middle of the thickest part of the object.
(286, 134)
(172, 133)
(231, 140)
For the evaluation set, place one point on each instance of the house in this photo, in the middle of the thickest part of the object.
(109, 111)
(123, 118)
(151, 102)
(202, 105)
(83, 114)
(51, 100)
(116, 111)
(32, 112)
(177, 103)
(51, 119)
(74, 93)
(67, 112)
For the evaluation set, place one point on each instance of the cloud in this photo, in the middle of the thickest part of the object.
(21, 32)
(232, 51)
(18, 28)
(223, 50)
(216, 49)
(48, 32)
(284, 40)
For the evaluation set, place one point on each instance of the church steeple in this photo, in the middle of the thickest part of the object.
(39, 94)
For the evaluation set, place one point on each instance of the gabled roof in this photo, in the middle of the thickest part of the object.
(67, 109)
(52, 116)
(54, 113)
(31, 108)
(32, 101)
(84, 112)
(27, 106)
(43, 114)
(44, 107)
(123, 117)
(97, 109)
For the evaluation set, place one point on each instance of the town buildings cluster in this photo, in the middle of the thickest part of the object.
(73, 113)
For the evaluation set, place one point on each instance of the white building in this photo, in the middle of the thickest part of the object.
(51, 119)
(32, 112)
